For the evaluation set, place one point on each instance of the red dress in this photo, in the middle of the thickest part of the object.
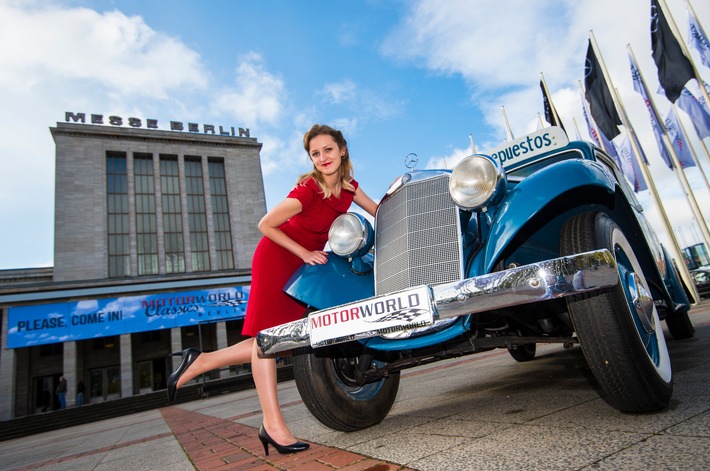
(273, 265)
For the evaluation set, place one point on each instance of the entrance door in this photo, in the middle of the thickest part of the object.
(43, 391)
(151, 375)
(145, 377)
(105, 384)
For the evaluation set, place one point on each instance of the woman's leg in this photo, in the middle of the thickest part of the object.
(263, 370)
(236, 354)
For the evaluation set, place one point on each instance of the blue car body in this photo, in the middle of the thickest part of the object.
(510, 279)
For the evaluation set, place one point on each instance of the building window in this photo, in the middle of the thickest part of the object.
(197, 214)
(172, 215)
(119, 263)
(146, 227)
(220, 215)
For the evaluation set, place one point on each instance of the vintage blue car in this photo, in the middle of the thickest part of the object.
(543, 241)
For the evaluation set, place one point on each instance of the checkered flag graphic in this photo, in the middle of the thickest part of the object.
(230, 303)
(407, 315)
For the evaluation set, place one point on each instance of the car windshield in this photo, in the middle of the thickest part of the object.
(527, 170)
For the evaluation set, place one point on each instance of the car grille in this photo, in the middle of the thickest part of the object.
(417, 237)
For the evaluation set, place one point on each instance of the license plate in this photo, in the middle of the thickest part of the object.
(403, 310)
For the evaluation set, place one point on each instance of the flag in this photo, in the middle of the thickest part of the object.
(601, 105)
(551, 115)
(674, 69)
(697, 39)
(702, 97)
(678, 140)
(629, 164)
(640, 87)
(698, 115)
(599, 138)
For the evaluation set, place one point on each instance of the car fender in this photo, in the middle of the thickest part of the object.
(674, 284)
(533, 194)
(331, 284)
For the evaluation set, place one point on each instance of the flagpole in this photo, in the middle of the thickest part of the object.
(644, 166)
(507, 125)
(576, 128)
(685, 50)
(685, 273)
(678, 252)
(473, 146)
(678, 169)
(552, 105)
(540, 123)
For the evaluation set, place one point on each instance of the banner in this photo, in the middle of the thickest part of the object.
(65, 322)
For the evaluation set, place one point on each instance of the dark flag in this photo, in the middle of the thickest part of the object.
(549, 115)
(674, 69)
(597, 93)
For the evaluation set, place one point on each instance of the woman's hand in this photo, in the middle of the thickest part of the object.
(316, 257)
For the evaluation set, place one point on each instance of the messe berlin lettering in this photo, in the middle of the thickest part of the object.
(153, 124)
(78, 320)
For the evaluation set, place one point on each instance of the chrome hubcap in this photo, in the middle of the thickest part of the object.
(642, 301)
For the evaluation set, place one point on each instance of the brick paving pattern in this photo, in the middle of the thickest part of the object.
(220, 444)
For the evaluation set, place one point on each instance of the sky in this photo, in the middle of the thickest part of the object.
(397, 77)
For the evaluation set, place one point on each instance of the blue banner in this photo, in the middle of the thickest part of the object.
(65, 322)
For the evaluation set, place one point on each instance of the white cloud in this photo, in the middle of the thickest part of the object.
(120, 53)
(73, 59)
(336, 93)
(500, 56)
(258, 95)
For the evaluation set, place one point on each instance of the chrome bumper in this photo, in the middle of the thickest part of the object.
(549, 279)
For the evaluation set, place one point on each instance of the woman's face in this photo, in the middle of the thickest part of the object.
(325, 154)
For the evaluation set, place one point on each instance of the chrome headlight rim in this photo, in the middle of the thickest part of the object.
(477, 182)
(351, 235)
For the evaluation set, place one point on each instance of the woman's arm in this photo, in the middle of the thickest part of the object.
(269, 226)
(365, 202)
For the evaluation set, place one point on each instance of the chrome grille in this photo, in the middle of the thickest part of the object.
(417, 237)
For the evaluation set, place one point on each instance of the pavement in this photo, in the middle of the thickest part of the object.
(482, 412)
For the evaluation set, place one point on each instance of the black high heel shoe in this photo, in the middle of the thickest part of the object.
(283, 449)
(189, 355)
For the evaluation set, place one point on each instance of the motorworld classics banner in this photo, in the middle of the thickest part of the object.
(87, 319)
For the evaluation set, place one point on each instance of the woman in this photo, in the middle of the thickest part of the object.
(295, 232)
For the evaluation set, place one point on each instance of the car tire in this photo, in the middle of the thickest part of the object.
(618, 328)
(523, 353)
(325, 380)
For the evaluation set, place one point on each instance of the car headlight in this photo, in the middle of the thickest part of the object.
(351, 235)
(477, 182)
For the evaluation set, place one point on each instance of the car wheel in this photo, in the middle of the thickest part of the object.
(619, 329)
(327, 384)
(523, 353)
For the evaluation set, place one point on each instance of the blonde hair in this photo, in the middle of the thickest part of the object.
(346, 168)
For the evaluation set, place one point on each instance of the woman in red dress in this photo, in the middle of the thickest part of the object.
(295, 232)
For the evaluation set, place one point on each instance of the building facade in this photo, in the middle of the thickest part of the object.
(153, 240)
